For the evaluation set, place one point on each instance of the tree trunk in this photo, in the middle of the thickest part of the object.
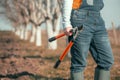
(21, 32)
(114, 34)
(18, 31)
(32, 39)
(51, 45)
(58, 22)
(26, 33)
(38, 37)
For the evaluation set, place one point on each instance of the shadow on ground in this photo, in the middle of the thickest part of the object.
(32, 76)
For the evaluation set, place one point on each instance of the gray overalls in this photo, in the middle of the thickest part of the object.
(93, 38)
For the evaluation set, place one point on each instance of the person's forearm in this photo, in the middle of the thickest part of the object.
(67, 8)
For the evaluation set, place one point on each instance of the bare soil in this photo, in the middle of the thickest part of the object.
(22, 60)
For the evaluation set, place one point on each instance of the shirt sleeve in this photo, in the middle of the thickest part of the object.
(66, 13)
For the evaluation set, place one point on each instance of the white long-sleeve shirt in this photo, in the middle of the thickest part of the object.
(94, 5)
(67, 8)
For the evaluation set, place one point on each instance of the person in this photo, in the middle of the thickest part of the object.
(93, 38)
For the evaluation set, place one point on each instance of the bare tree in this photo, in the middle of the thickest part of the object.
(23, 12)
(12, 14)
(53, 13)
(36, 18)
(18, 15)
(114, 34)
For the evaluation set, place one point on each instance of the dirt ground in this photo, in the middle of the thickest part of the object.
(22, 60)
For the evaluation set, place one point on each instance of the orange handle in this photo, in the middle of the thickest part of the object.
(56, 37)
(66, 50)
(60, 35)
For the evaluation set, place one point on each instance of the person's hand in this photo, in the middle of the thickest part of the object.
(67, 31)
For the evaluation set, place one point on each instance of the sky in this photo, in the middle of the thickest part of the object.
(110, 13)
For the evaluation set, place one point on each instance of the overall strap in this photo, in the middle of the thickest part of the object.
(76, 4)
